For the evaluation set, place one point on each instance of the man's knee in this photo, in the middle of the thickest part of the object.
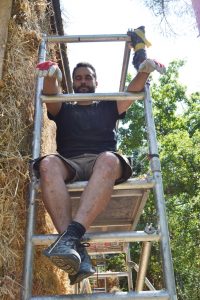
(109, 163)
(50, 166)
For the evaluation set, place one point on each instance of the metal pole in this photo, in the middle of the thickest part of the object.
(144, 259)
(129, 269)
(85, 287)
(88, 38)
(27, 274)
(160, 202)
(102, 237)
(148, 283)
(146, 295)
(76, 288)
(124, 67)
(122, 96)
(105, 285)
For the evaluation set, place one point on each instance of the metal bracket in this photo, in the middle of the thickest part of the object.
(149, 229)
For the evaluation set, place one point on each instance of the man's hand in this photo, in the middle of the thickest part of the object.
(49, 69)
(150, 65)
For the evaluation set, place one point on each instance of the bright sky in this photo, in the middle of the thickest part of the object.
(116, 17)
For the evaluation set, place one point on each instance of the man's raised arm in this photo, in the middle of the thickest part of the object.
(138, 82)
(52, 77)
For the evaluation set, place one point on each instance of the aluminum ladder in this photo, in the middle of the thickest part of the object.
(124, 237)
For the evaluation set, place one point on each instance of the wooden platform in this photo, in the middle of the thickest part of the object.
(122, 213)
(124, 209)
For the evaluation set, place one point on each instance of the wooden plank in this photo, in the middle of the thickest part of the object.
(137, 213)
(122, 213)
(133, 183)
(115, 193)
(124, 209)
(130, 184)
(5, 12)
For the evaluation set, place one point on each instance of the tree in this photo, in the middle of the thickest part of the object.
(161, 9)
(168, 94)
(196, 7)
(192, 115)
(177, 119)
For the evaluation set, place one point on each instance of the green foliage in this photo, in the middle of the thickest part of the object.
(132, 135)
(192, 115)
(180, 162)
(177, 121)
(185, 242)
(167, 95)
(116, 263)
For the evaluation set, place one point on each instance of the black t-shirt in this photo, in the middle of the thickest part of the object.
(86, 128)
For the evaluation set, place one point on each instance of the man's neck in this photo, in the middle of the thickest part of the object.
(89, 102)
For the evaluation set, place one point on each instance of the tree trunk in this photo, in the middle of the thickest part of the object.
(196, 7)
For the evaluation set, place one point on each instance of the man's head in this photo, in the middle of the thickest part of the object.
(84, 78)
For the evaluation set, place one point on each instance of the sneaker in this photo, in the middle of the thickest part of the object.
(64, 254)
(86, 268)
(138, 39)
(150, 65)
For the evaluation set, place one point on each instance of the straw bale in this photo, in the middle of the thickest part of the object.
(111, 282)
(29, 19)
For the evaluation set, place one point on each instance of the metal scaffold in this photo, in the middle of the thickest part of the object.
(107, 234)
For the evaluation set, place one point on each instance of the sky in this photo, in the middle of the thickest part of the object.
(116, 17)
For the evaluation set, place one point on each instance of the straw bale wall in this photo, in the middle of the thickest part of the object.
(28, 20)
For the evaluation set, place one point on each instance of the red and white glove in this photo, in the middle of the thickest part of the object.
(150, 65)
(49, 68)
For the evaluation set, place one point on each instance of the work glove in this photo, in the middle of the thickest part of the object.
(150, 65)
(49, 68)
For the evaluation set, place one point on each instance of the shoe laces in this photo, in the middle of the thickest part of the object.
(84, 245)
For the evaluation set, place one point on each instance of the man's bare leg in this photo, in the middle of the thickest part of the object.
(93, 201)
(66, 251)
(99, 189)
(53, 173)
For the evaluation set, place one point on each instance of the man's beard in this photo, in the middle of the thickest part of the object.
(88, 89)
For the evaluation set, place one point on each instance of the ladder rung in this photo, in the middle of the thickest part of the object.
(150, 295)
(102, 237)
(120, 96)
(87, 38)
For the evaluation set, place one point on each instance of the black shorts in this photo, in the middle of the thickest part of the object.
(82, 166)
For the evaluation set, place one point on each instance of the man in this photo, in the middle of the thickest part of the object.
(86, 146)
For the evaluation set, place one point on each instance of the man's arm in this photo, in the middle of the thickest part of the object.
(136, 85)
(52, 76)
(51, 87)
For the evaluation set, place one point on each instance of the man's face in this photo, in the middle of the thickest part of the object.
(84, 81)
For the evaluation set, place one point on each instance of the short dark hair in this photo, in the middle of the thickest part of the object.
(85, 65)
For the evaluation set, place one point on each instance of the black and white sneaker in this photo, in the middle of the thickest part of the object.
(86, 268)
(64, 253)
